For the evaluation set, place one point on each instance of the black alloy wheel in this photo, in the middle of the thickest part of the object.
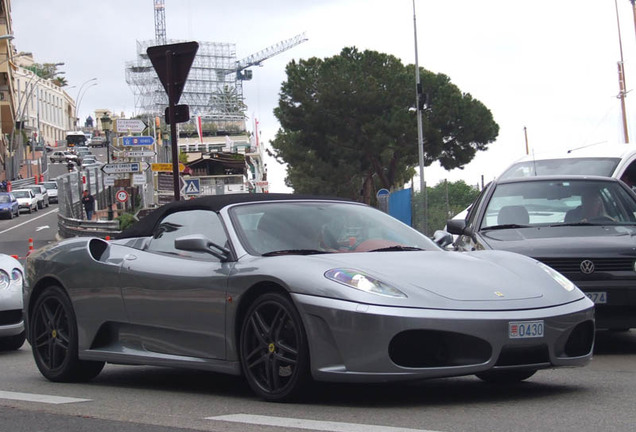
(274, 349)
(53, 337)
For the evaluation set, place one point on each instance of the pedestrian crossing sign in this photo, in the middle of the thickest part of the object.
(192, 187)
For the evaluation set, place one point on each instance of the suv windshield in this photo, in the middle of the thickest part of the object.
(558, 202)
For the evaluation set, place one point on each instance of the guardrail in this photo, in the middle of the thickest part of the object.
(70, 227)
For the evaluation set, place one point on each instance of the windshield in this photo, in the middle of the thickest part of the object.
(21, 194)
(542, 203)
(50, 185)
(570, 166)
(316, 227)
(4, 199)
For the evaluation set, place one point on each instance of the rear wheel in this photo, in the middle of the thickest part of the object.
(53, 337)
(505, 376)
(274, 349)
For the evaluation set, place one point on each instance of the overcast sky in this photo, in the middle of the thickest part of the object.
(549, 66)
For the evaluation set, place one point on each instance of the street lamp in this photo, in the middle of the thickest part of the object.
(7, 37)
(107, 124)
(79, 97)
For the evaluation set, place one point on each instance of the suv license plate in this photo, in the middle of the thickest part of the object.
(525, 329)
(598, 297)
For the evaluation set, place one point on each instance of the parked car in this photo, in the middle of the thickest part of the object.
(26, 199)
(98, 141)
(12, 333)
(617, 160)
(41, 194)
(9, 206)
(549, 219)
(286, 288)
(51, 188)
(62, 156)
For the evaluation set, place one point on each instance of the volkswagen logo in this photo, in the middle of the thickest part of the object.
(587, 267)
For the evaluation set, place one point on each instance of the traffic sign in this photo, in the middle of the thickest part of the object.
(166, 167)
(130, 167)
(192, 187)
(129, 125)
(139, 153)
(121, 195)
(172, 64)
(137, 140)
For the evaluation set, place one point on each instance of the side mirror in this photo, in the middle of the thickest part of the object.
(200, 243)
(456, 226)
(442, 238)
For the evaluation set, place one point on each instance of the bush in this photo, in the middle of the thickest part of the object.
(126, 220)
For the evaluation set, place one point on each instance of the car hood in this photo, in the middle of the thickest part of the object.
(483, 280)
(606, 240)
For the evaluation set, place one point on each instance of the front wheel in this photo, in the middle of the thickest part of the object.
(505, 376)
(53, 337)
(274, 350)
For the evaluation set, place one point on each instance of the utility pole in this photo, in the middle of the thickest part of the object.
(621, 77)
(419, 104)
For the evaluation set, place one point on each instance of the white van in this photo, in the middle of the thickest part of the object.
(616, 160)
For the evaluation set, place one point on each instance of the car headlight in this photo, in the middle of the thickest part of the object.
(4, 279)
(566, 283)
(16, 276)
(363, 282)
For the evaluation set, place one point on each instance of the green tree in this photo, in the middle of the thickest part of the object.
(348, 126)
(445, 200)
(44, 70)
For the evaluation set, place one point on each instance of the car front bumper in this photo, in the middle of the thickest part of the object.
(352, 342)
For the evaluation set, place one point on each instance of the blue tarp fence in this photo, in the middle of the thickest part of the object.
(400, 205)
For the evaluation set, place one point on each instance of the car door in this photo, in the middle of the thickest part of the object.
(176, 299)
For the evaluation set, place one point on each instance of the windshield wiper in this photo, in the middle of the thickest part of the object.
(504, 226)
(397, 248)
(296, 252)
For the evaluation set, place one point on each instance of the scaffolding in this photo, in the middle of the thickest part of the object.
(214, 88)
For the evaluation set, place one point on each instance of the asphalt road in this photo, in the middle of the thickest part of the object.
(598, 397)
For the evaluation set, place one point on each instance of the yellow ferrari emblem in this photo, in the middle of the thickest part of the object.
(272, 347)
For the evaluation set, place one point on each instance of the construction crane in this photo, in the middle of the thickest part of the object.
(214, 89)
(257, 58)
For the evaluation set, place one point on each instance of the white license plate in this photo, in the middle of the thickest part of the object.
(598, 297)
(525, 329)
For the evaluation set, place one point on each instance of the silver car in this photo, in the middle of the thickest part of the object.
(41, 194)
(12, 333)
(284, 288)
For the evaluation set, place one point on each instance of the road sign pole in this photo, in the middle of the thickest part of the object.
(173, 126)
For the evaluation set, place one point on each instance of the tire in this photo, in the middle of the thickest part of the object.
(274, 351)
(505, 376)
(30, 209)
(12, 343)
(53, 338)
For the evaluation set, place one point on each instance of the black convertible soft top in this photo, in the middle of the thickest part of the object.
(146, 226)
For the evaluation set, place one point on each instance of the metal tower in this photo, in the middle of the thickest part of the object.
(160, 22)
(214, 89)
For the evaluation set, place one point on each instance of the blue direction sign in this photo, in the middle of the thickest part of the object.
(137, 140)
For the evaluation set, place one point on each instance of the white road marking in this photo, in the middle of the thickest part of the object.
(328, 426)
(40, 228)
(29, 221)
(32, 397)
